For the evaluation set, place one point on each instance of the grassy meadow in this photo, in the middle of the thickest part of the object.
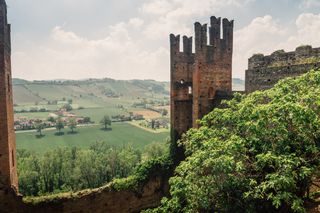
(121, 134)
(92, 98)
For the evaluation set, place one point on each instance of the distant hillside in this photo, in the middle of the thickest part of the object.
(92, 91)
(238, 84)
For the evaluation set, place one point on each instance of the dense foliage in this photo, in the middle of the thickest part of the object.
(160, 166)
(259, 154)
(73, 169)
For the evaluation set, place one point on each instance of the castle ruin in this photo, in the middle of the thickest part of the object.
(199, 80)
(265, 71)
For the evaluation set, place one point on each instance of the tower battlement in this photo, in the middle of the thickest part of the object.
(197, 78)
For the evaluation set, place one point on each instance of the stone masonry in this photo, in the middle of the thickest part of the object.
(265, 71)
(197, 79)
(8, 172)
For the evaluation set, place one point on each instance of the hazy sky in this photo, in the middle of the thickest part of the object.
(127, 39)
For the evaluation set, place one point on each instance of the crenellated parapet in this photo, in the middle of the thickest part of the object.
(197, 77)
(265, 71)
(219, 43)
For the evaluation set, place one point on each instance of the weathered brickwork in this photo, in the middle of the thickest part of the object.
(8, 173)
(265, 71)
(196, 78)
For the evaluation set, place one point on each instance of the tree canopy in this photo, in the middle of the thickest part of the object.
(259, 153)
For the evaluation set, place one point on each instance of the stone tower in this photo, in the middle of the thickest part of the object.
(8, 172)
(198, 79)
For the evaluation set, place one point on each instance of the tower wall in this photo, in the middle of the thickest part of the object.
(181, 85)
(8, 173)
(213, 65)
(197, 77)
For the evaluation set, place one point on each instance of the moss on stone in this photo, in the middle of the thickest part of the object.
(300, 61)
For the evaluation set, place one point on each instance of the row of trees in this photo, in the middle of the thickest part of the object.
(60, 124)
(73, 169)
(71, 123)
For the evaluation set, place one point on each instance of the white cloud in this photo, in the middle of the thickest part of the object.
(137, 46)
(68, 55)
(306, 4)
(261, 35)
(265, 35)
(136, 22)
(176, 15)
(307, 31)
(157, 7)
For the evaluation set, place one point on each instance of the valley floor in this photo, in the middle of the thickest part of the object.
(120, 135)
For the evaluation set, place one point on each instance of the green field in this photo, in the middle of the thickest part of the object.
(121, 134)
(94, 96)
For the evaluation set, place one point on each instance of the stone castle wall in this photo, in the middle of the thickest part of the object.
(265, 71)
(8, 172)
(106, 199)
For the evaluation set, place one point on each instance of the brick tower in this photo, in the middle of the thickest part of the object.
(8, 172)
(199, 80)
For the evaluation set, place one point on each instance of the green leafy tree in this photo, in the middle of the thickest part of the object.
(72, 124)
(72, 169)
(259, 154)
(39, 127)
(68, 107)
(87, 120)
(51, 119)
(155, 150)
(59, 124)
(106, 121)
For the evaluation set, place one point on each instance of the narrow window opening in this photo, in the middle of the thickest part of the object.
(12, 156)
(190, 90)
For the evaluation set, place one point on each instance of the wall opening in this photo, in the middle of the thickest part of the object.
(12, 157)
(190, 90)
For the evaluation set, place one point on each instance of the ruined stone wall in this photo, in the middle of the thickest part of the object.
(8, 173)
(196, 77)
(265, 71)
(105, 199)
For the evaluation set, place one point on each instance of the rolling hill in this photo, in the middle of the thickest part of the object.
(92, 92)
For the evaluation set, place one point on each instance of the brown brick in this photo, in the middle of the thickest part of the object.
(204, 73)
